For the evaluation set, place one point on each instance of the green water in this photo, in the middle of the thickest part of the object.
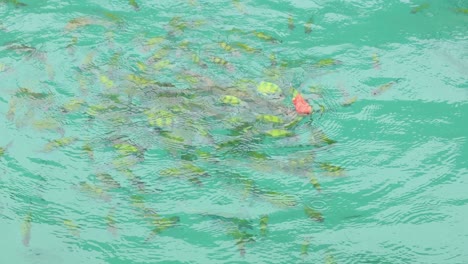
(161, 167)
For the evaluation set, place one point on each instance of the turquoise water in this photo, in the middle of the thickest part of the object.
(141, 132)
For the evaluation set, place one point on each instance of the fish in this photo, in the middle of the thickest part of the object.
(376, 60)
(134, 4)
(263, 224)
(242, 237)
(332, 170)
(93, 191)
(95, 110)
(4, 67)
(48, 124)
(238, 6)
(349, 101)
(4, 149)
(320, 139)
(141, 66)
(270, 119)
(305, 248)
(115, 18)
(268, 88)
(107, 180)
(137, 201)
(89, 150)
(381, 89)
(110, 221)
(327, 62)
(72, 227)
(57, 143)
(225, 46)
(294, 122)
(291, 22)
(301, 105)
(276, 198)
(196, 59)
(83, 21)
(24, 49)
(322, 109)
(462, 11)
(139, 80)
(230, 100)
(315, 183)
(246, 47)
(420, 8)
(278, 133)
(26, 229)
(265, 37)
(178, 24)
(159, 118)
(25, 92)
(125, 149)
(162, 224)
(308, 26)
(72, 105)
(273, 60)
(16, 3)
(329, 259)
(106, 81)
(313, 214)
(222, 62)
(162, 64)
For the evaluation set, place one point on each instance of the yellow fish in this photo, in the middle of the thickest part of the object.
(268, 88)
(26, 229)
(72, 227)
(134, 4)
(61, 142)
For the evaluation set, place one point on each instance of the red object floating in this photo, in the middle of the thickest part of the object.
(302, 107)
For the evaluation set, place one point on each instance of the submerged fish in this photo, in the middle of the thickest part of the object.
(315, 183)
(376, 60)
(246, 47)
(57, 143)
(385, 87)
(94, 191)
(313, 214)
(462, 11)
(277, 198)
(134, 4)
(329, 259)
(222, 62)
(332, 170)
(79, 22)
(72, 227)
(291, 22)
(327, 62)
(25, 92)
(242, 238)
(349, 101)
(110, 221)
(301, 105)
(263, 224)
(420, 8)
(4, 149)
(308, 26)
(161, 224)
(26, 229)
(16, 3)
(107, 180)
(305, 248)
(265, 37)
(89, 150)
